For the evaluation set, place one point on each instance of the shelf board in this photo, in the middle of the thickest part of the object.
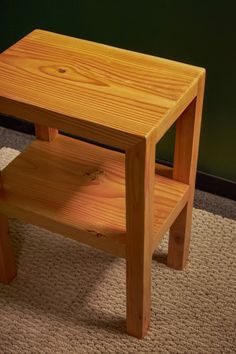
(78, 190)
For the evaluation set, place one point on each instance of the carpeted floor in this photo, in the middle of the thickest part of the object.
(69, 298)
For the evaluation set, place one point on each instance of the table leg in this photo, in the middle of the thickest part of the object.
(7, 260)
(43, 132)
(140, 172)
(185, 164)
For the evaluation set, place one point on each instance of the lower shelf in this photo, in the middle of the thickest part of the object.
(78, 190)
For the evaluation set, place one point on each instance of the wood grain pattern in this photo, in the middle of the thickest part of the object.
(169, 209)
(140, 172)
(185, 164)
(99, 92)
(43, 132)
(87, 192)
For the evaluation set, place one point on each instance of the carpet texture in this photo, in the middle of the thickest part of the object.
(69, 298)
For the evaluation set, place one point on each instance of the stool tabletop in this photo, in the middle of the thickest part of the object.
(92, 89)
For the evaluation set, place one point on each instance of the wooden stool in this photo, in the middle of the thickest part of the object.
(119, 202)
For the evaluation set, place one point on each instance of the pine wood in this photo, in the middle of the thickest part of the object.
(87, 192)
(164, 170)
(45, 133)
(169, 208)
(7, 260)
(119, 203)
(185, 164)
(140, 172)
(110, 95)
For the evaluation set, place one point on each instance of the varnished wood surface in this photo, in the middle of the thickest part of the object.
(185, 164)
(68, 185)
(7, 259)
(140, 180)
(43, 132)
(100, 92)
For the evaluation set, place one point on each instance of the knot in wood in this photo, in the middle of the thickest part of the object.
(61, 70)
(93, 174)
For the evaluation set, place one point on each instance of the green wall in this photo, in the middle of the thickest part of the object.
(196, 32)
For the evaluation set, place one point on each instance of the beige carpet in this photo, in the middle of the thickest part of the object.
(69, 298)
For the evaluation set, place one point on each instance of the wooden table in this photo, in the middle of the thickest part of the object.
(119, 202)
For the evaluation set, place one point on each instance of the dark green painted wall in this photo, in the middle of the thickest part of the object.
(197, 32)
